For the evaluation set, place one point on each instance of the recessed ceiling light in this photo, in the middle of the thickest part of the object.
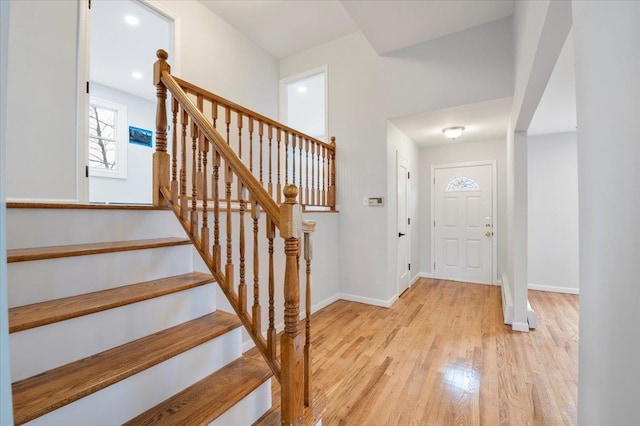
(137, 75)
(131, 20)
(302, 89)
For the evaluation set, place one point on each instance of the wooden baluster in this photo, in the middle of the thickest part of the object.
(174, 152)
(239, 119)
(204, 234)
(194, 188)
(161, 161)
(229, 265)
(300, 188)
(184, 199)
(332, 171)
(306, 172)
(227, 119)
(242, 287)
(217, 257)
(250, 144)
(256, 313)
(200, 175)
(214, 113)
(313, 174)
(270, 185)
(293, 158)
(271, 331)
(260, 132)
(324, 174)
(279, 186)
(307, 228)
(291, 350)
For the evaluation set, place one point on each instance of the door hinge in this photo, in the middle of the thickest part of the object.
(434, 181)
(89, 4)
(86, 171)
(408, 221)
(434, 266)
(434, 223)
(408, 175)
(87, 87)
(409, 266)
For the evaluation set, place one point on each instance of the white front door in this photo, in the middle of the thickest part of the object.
(464, 223)
(404, 256)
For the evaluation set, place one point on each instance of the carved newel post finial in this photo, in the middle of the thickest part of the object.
(162, 55)
(161, 165)
(290, 194)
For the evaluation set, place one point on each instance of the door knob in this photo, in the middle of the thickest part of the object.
(488, 233)
(400, 234)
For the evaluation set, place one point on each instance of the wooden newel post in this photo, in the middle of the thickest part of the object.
(332, 175)
(161, 160)
(292, 380)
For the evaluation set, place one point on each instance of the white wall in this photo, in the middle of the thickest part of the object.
(398, 144)
(43, 65)
(41, 100)
(364, 91)
(606, 38)
(460, 153)
(136, 188)
(553, 212)
(6, 406)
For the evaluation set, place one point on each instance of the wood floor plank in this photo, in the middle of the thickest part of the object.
(452, 360)
(207, 399)
(40, 394)
(52, 252)
(39, 314)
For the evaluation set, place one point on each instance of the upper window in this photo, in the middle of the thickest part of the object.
(107, 139)
(304, 103)
(463, 183)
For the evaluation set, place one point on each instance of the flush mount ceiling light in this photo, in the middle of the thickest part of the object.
(453, 132)
(137, 75)
(131, 20)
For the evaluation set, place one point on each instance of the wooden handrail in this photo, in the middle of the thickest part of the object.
(247, 178)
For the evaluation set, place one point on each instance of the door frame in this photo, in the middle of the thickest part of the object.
(494, 207)
(84, 76)
(407, 164)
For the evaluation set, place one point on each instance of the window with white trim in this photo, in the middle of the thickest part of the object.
(463, 183)
(107, 139)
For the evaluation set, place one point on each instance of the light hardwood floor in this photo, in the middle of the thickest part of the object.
(442, 356)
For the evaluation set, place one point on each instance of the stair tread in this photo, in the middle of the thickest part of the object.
(39, 314)
(206, 400)
(45, 392)
(51, 252)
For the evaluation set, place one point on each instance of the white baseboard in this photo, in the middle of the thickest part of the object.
(413, 281)
(368, 300)
(425, 275)
(520, 326)
(507, 301)
(531, 316)
(43, 200)
(553, 288)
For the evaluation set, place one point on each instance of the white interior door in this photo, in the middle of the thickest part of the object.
(404, 257)
(464, 223)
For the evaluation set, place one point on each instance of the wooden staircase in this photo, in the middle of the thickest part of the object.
(57, 395)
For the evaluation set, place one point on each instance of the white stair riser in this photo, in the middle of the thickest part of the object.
(128, 398)
(249, 409)
(53, 227)
(43, 348)
(41, 280)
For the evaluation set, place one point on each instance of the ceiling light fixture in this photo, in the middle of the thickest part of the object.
(302, 89)
(137, 75)
(453, 132)
(131, 20)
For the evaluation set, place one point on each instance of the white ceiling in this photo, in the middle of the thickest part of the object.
(482, 121)
(118, 49)
(556, 112)
(283, 28)
(390, 25)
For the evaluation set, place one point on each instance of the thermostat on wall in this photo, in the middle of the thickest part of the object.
(374, 201)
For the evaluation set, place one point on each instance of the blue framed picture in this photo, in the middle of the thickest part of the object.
(140, 136)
